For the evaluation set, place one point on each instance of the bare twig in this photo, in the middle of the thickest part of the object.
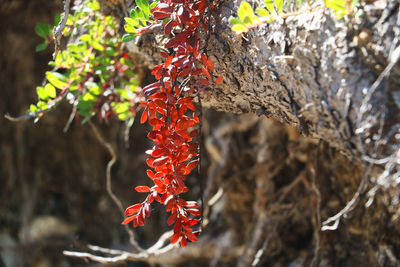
(31, 115)
(57, 31)
(108, 181)
(170, 254)
(317, 219)
(71, 117)
(333, 222)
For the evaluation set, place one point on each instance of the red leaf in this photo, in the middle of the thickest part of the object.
(194, 212)
(192, 237)
(205, 71)
(191, 204)
(142, 189)
(180, 37)
(160, 161)
(193, 222)
(150, 162)
(196, 72)
(172, 218)
(183, 242)
(159, 183)
(161, 15)
(150, 174)
(177, 227)
(191, 166)
(168, 61)
(168, 28)
(143, 118)
(133, 209)
(219, 80)
(175, 237)
(129, 219)
(147, 209)
(210, 65)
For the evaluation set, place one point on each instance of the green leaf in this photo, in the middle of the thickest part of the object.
(56, 79)
(41, 47)
(42, 93)
(262, 12)
(50, 90)
(93, 87)
(57, 19)
(86, 37)
(42, 105)
(128, 37)
(33, 108)
(279, 6)
(129, 28)
(43, 30)
(235, 21)
(96, 45)
(244, 10)
(269, 4)
(144, 6)
(133, 14)
(239, 28)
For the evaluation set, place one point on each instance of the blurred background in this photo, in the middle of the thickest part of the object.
(262, 180)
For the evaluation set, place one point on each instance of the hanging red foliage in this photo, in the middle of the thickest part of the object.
(171, 112)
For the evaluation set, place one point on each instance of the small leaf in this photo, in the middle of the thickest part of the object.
(50, 90)
(172, 218)
(133, 209)
(262, 12)
(56, 79)
(194, 212)
(279, 6)
(129, 219)
(128, 37)
(235, 21)
(244, 10)
(144, 6)
(239, 28)
(42, 93)
(43, 30)
(269, 4)
(219, 80)
(143, 118)
(142, 189)
(41, 47)
(175, 237)
(192, 237)
(183, 242)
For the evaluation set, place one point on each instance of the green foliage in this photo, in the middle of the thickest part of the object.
(247, 19)
(94, 72)
(341, 7)
(139, 19)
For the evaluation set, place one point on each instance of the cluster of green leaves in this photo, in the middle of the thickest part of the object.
(46, 32)
(139, 19)
(93, 72)
(247, 19)
(341, 7)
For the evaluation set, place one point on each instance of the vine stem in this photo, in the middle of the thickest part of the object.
(110, 192)
(57, 32)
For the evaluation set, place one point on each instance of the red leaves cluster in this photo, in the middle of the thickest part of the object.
(171, 113)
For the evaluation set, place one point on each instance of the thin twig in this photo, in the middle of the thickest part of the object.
(71, 117)
(57, 31)
(333, 222)
(31, 115)
(108, 181)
